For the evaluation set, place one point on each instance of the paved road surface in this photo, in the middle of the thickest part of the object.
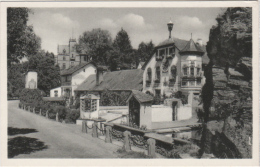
(62, 140)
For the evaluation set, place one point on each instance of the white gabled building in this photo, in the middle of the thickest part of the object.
(176, 65)
(71, 78)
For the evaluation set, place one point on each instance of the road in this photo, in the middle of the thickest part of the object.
(34, 136)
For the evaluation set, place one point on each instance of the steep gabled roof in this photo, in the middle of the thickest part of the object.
(140, 96)
(192, 47)
(116, 80)
(180, 45)
(75, 68)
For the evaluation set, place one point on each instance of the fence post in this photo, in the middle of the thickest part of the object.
(57, 117)
(47, 114)
(108, 134)
(84, 126)
(127, 146)
(29, 108)
(151, 147)
(40, 113)
(95, 130)
(34, 110)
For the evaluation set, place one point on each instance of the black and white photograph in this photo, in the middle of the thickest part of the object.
(162, 82)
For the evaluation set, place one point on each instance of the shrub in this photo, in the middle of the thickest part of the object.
(72, 115)
(31, 97)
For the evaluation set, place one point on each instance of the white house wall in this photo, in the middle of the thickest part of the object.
(184, 112)
(52, 92)
(161, 114)
(164, 76)
(146, 115)
(79, 76)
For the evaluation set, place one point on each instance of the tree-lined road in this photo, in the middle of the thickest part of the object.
(55, 140)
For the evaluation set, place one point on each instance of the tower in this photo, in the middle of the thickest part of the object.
(170, 26)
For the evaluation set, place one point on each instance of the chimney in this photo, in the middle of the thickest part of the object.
(99, 76)
(199, 42)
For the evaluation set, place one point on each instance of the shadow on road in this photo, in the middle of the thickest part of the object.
(15, 131)
(24, 145)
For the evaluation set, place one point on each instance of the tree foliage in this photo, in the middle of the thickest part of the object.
(231, 38)
(21, 39)
(48, 73)
(96, 43)
(145, 50)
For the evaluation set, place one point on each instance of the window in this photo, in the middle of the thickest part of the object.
(173, 72)
(198, 81)
(56, 93)
(192, 83)
(198, 71)
(171, 51)
(72, 56)
(158, 74)
(185, 71)
(85, 58)
(149, 74)
(184, 83)
(64, 66)
(192, 71)
(72, 64)
(161, 52)
(64, 57)
(157, 92)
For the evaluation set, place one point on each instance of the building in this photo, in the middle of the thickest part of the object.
(67, 55)
(71, 78)
(140, 65)
(124, 80)
(55, 92)
(176, 65)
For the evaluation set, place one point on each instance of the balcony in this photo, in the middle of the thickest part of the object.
(191, 76)
(68, 83)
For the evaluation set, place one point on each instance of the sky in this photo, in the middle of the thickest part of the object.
(56, 25)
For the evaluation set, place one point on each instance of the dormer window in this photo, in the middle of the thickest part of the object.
(198, 71)
(185, 71)
(171, 53)
(192, 71)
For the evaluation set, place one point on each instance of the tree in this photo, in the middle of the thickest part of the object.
(145, 50)
(122, 42)
(125, 52)
(96, 43)
(15, 79)
(21, 39)
(48, 73)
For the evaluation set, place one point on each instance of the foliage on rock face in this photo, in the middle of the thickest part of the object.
(231, 38)
(21, 39)
(112, 98)
(31, 96)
